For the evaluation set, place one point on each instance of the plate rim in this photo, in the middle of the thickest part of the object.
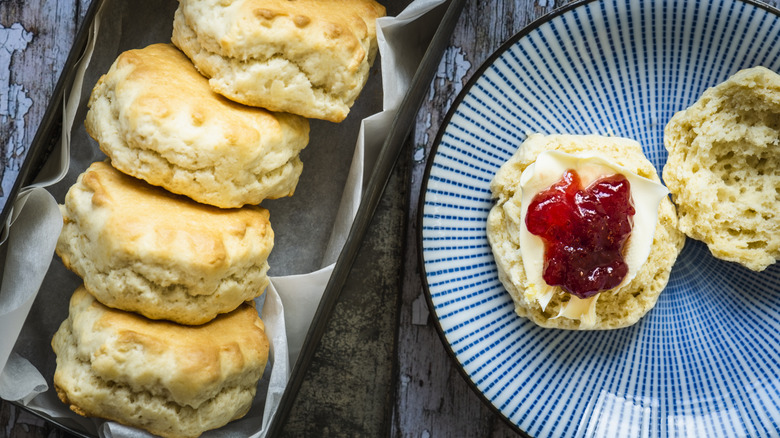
(478, 73)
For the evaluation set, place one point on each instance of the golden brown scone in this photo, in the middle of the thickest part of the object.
(142, 249)
(169, 379)
(306, 57)
(724, 168)
(157, 119)
(616, 308)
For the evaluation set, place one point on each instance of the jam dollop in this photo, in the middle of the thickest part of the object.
(584, 232)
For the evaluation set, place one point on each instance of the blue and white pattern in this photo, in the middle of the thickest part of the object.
(705, 360)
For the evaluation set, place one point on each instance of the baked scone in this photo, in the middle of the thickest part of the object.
(157, 119)
(142, 249)
(724, 168)
(615, 308)
(306, 57)
(169, 379)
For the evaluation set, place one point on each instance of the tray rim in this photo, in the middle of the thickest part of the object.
(41, 415)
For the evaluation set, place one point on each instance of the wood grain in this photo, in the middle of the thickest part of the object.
(49, 27)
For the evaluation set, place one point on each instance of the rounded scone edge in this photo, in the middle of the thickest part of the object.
(174, 381)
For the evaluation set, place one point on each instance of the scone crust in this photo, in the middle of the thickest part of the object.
(142, 249)
(724, 168)
(614, 309)
(157, 119)
(172, 380)
(306, 57)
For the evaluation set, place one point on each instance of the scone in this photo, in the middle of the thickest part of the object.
(169, 379)
(142, 249)
(549, 306)
(724, 168)
(306, 57)
(157, 119)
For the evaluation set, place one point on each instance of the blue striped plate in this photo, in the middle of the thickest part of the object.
(705, 361)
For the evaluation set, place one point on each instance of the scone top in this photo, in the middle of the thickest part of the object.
(590, 232)
(141, 222)
(306, 57)
(164, 104)
(157, 119)
(343, 30)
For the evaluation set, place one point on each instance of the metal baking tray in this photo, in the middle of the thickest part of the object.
(50, 129)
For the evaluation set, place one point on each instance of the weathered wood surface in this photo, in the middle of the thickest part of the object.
(35, 38)
(381, 368)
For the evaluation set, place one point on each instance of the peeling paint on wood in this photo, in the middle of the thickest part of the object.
(39, 36)
(14, 104)
(452, 69)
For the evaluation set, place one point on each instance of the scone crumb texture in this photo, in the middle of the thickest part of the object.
(723, 168)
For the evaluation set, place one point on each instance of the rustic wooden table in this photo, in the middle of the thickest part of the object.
(381, 368)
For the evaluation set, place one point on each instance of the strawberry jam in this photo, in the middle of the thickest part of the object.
(584, 232)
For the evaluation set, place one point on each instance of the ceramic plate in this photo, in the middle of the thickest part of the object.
(705, 360)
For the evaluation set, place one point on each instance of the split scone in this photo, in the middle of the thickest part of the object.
(157, 119)
(306, 57)
(169, 379)
(647, 251)
(142, 249)
(724, 168)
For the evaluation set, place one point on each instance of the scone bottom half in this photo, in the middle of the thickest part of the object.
(171, 380)
(553, 307)
(140, 248)
(723, 168)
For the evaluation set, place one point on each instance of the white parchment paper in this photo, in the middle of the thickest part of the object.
(311, 227)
